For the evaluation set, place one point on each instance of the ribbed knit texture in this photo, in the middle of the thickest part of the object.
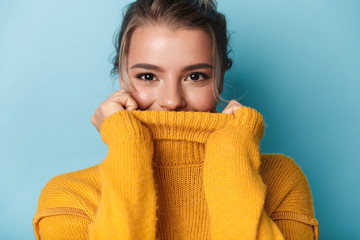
(180, 175)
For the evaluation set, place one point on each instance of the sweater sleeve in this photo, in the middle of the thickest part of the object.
(127, 202)
(127, 208)
(234, 190)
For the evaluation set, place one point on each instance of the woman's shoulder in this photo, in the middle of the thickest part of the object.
(71, 181)
(288, 191)
(274, 166)
(73, 191)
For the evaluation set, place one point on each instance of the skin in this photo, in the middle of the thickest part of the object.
(170, 71)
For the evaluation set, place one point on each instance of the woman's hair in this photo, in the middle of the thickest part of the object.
(198, 14)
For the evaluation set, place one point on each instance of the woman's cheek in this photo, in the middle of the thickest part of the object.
(202, 101)
(143, 98)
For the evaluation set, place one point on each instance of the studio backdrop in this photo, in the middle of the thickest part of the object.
(296, 62)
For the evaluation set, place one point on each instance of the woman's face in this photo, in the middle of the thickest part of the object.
(171, 70)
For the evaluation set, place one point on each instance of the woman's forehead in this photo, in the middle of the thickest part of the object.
(161, 44)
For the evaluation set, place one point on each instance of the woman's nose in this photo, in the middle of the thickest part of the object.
(172, 97)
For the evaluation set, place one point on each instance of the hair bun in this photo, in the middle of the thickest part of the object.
(207, 3)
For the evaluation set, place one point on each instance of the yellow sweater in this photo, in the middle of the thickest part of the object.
(180, 175)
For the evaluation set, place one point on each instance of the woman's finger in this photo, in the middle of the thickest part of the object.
(126, 101)
(117, 101)
(232, 107)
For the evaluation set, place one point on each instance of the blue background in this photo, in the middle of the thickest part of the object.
(297, 62)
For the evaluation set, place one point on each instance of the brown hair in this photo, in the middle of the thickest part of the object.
(200, 14)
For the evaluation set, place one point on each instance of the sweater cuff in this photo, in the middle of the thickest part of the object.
(250, 119)
(123, 126)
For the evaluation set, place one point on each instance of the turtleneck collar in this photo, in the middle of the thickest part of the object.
(189, 126)
(179, 137)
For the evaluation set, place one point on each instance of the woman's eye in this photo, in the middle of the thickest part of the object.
(146, 76)
(197, 76)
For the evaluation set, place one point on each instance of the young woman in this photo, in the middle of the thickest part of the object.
(175, 168)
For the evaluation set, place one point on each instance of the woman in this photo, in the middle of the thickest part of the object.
(177, 169)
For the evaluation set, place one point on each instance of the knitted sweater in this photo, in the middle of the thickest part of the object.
(180, 175)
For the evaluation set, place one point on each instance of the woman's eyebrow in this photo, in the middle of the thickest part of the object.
(147, 67)
(197, 66)
(186, 69)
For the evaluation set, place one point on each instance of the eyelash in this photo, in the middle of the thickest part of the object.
(140, 76)
(203, 75)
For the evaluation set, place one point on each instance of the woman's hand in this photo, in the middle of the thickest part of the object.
(118, 101)
(232, 107)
